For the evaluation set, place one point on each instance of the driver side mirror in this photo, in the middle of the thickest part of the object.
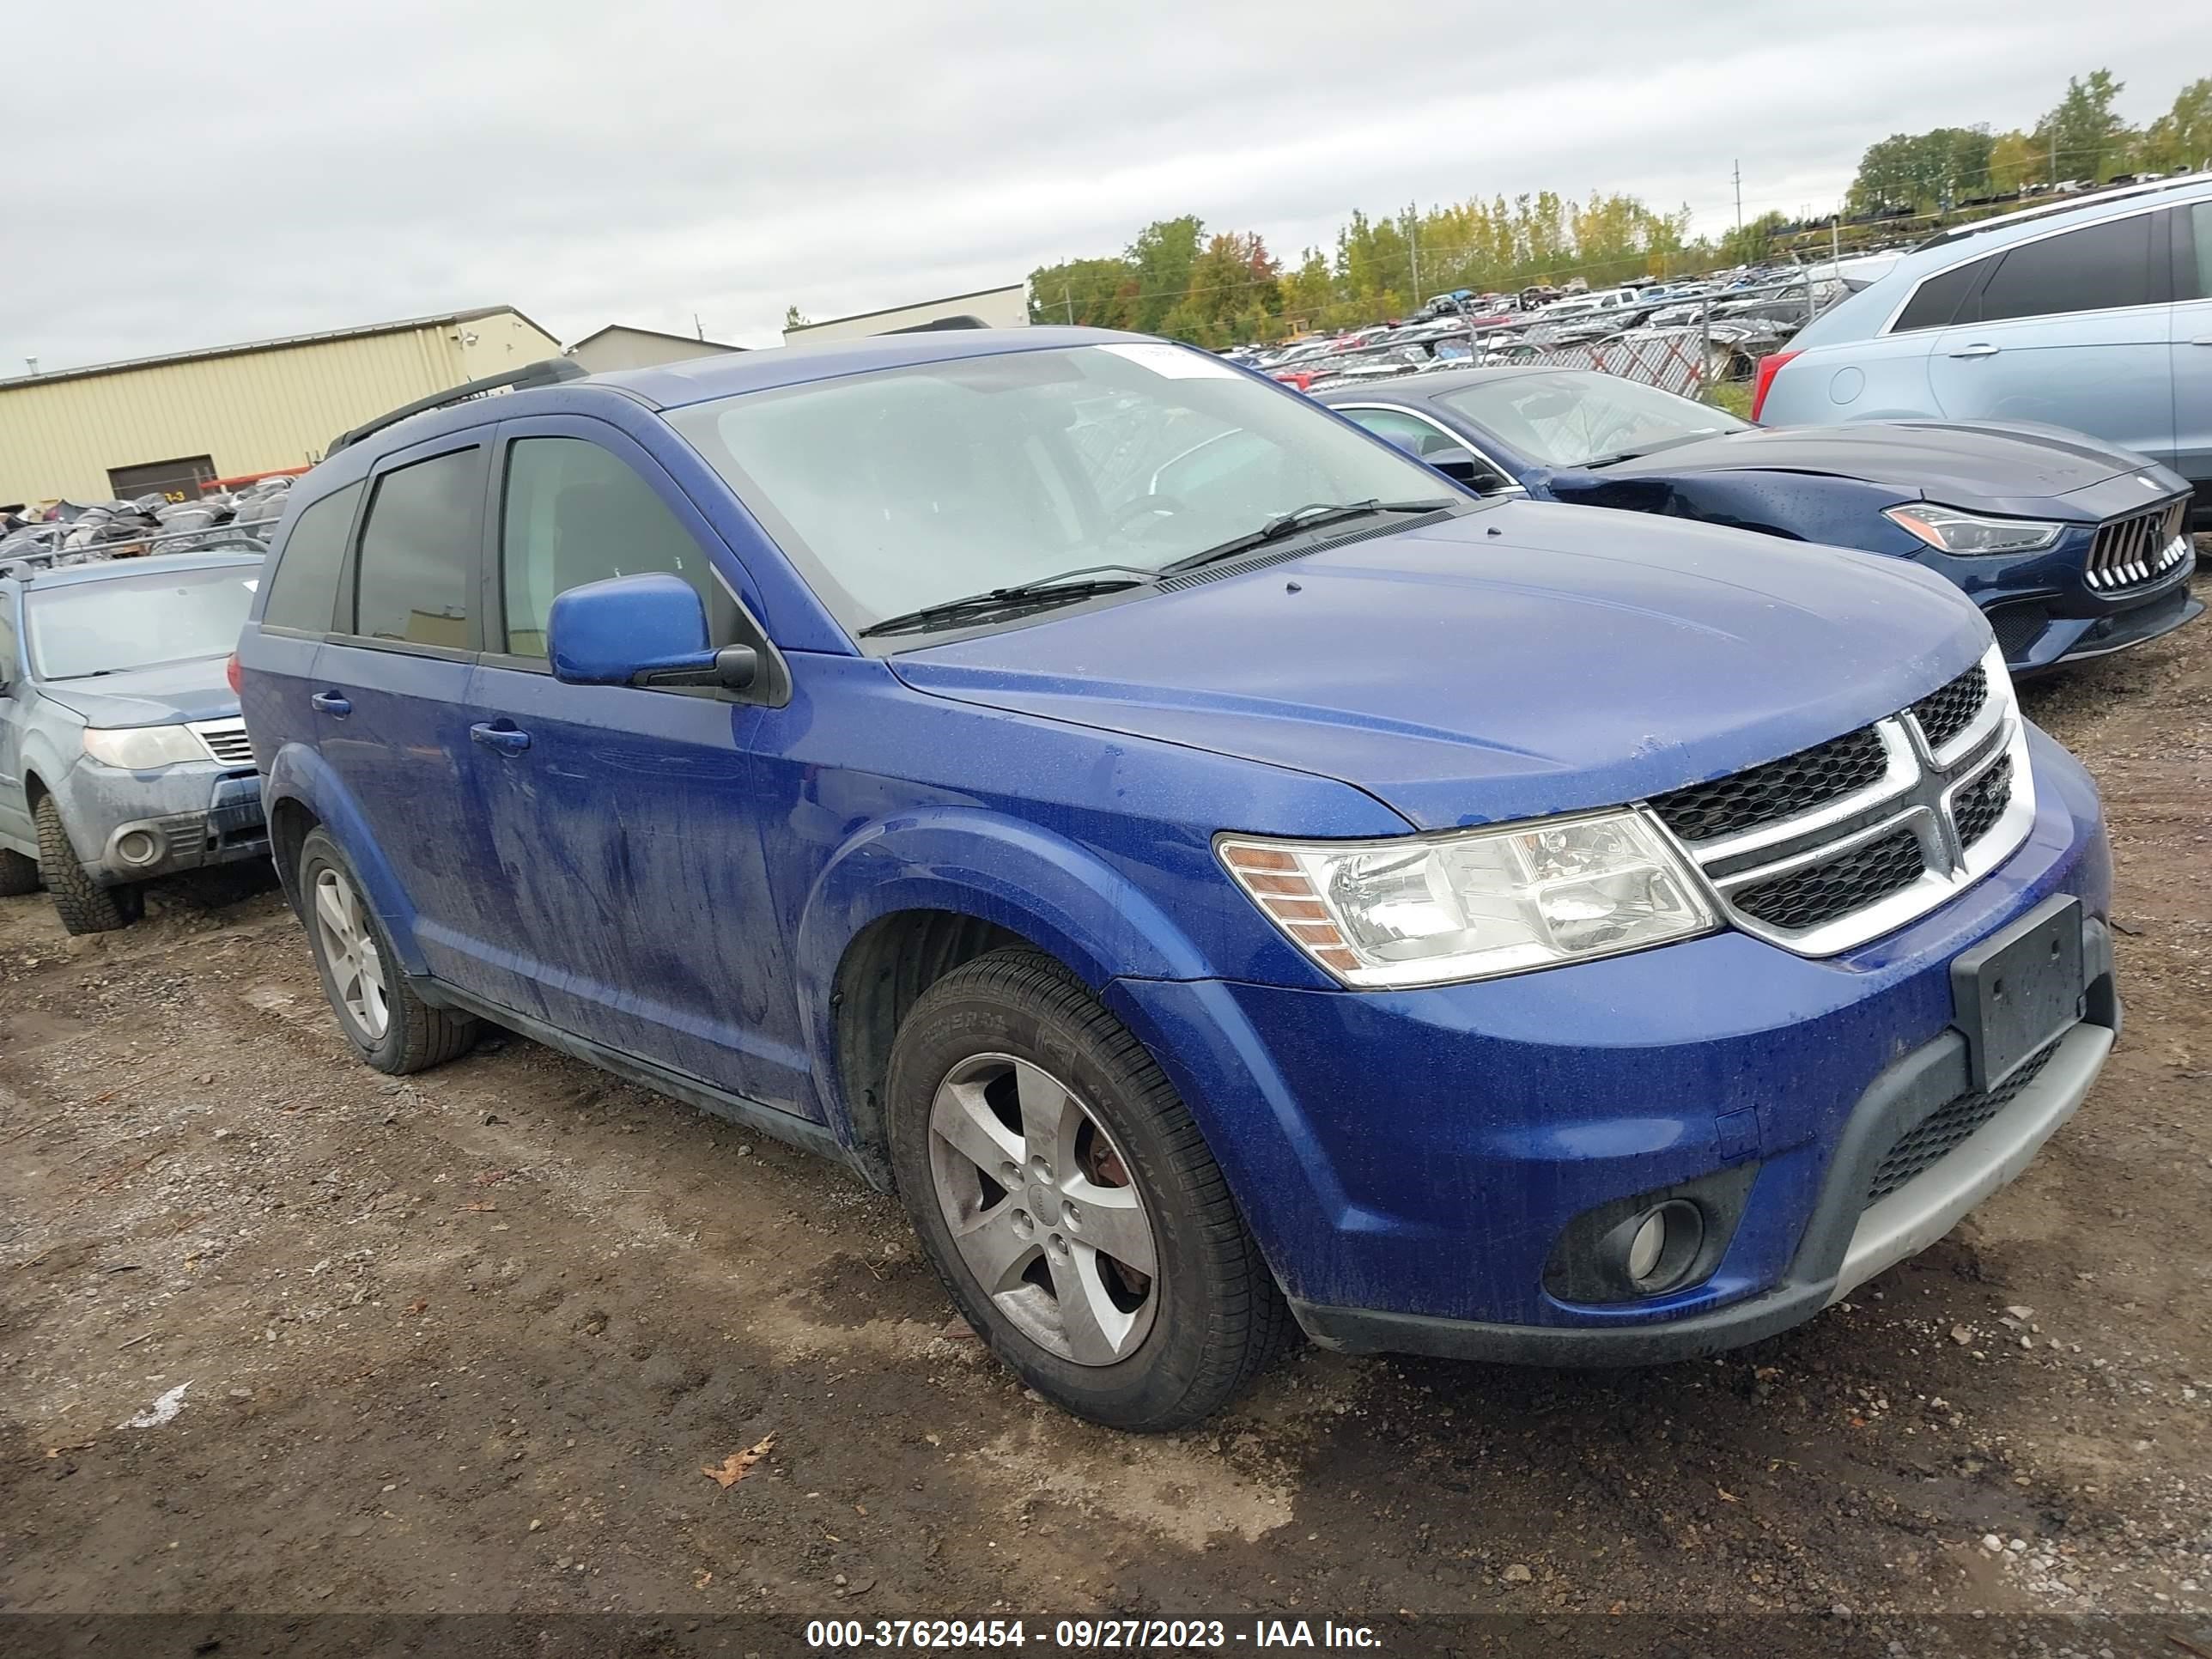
(647, 630)
(1461, 465)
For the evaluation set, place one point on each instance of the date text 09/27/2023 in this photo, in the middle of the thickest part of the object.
(1170, 1635)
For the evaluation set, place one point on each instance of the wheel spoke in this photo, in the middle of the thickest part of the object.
(995, 1249)
(1114, 1223)
(329, 909)
(1097, 1333)
(1050, 1116)
(963, 1120)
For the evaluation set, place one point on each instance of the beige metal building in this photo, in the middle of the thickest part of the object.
(620, 346)
(166, 424)
(994, 308)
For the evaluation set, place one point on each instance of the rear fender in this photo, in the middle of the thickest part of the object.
(299, 774)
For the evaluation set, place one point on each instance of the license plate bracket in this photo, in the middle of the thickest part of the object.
(2014, 992)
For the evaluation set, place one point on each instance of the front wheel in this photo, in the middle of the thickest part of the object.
(83, 905)
(390, 1027)
(1069, 1203)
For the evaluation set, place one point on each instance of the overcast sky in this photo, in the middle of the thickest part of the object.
(198, 176)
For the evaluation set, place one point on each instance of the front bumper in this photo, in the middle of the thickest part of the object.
(133, 826)
(1409, 1160)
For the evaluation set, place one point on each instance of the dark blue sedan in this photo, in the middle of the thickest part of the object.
(2073, 547)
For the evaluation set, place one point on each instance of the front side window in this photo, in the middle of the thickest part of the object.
(2097, 268)
(1408, 432)
(1571, 417)
(80, 630)
(418, 551)
(909, 486)
(576, 512)
(303, 588)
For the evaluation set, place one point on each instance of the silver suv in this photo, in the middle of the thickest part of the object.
(122, 755)
(2096, 315)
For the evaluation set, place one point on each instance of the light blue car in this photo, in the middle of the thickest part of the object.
(2096, 315)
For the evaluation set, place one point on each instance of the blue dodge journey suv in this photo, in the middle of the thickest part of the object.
(1318, 896)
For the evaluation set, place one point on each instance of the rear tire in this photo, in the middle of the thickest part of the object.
(84, 906)
(18, 874)
(1069, 1203)
(390, 1027)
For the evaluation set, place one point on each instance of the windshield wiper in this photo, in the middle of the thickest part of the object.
(1311, 516)
(1066, 588)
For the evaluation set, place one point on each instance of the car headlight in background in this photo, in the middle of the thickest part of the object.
(143, 748)
(1950, 531)
(1433, 909)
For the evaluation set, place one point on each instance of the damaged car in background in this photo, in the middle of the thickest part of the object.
(122, 755)
(2073, 547)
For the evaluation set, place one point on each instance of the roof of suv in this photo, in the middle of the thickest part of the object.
(97, 570)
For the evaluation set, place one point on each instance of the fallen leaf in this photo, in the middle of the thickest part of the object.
(416, 1307)
(702, 1580)
(480, 1207)
(859, 1509)
(1727, 1496)
(740, 1464)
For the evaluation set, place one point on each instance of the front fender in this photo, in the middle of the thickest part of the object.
(298, 773)
(1057, 893)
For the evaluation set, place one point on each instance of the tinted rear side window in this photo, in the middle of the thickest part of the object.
(303, 592)
(2193, 251)
(2094, 269)
(1936, 301)
(418, 551)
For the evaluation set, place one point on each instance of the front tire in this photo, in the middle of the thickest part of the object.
(1069, 1203)
(84, 906)
(390, 1027)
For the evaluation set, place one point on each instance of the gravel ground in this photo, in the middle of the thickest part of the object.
(468, 1343)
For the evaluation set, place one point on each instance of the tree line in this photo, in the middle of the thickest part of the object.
(1218, 288)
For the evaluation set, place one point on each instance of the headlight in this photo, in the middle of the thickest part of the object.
(143, 748)
(1949, 531)
(1429, 910)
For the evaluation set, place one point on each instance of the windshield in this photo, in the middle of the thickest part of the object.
(120, 622)
(907, 487)
(1575, 418)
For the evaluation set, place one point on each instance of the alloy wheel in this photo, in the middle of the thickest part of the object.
(1043, 1209)
(350, 947)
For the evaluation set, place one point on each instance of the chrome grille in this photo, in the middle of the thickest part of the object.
(225, 741)
(1823, 850)
(2139, 547)
(1946, 1129)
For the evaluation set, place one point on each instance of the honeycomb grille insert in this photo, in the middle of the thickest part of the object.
(1835, 887)
(1945, 713)
(1983, 802)
(1942, 1131)
(1779, 789)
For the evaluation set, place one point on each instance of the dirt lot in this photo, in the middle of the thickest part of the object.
(467, 1342)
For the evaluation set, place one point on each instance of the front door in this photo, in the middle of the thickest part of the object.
(627, 823)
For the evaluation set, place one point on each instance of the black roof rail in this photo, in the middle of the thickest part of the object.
(549, 372)
(963, 320)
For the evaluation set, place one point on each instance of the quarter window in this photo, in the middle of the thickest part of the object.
(1936, 303)
(2098, 268)
(418, 551)
(303, 590)
(576, 513)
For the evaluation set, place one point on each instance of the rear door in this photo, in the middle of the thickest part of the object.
(390, 690)
(626, 824)
(2192, 233)
(2069, 329)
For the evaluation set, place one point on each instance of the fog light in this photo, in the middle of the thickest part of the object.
(139, 848)
(1644, 1249)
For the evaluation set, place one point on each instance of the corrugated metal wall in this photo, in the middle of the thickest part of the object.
(255, 411)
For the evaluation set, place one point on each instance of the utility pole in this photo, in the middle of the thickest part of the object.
(1067, 299)
(1739, 201)
(1414, 250)
(2054, 152)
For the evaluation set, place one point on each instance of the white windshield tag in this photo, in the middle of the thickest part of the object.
(1174, 363)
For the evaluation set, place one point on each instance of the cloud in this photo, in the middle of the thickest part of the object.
(282, 168)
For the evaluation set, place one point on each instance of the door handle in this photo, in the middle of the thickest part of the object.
(501, 736)
(1978, 351)
(2202, 339)
(329, 703)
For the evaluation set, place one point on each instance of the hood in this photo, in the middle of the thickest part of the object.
(1520, 660)
(165, 694)
(2008, 467)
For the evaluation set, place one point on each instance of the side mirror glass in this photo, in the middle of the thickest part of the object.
(646, 630)
(1458, 464)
